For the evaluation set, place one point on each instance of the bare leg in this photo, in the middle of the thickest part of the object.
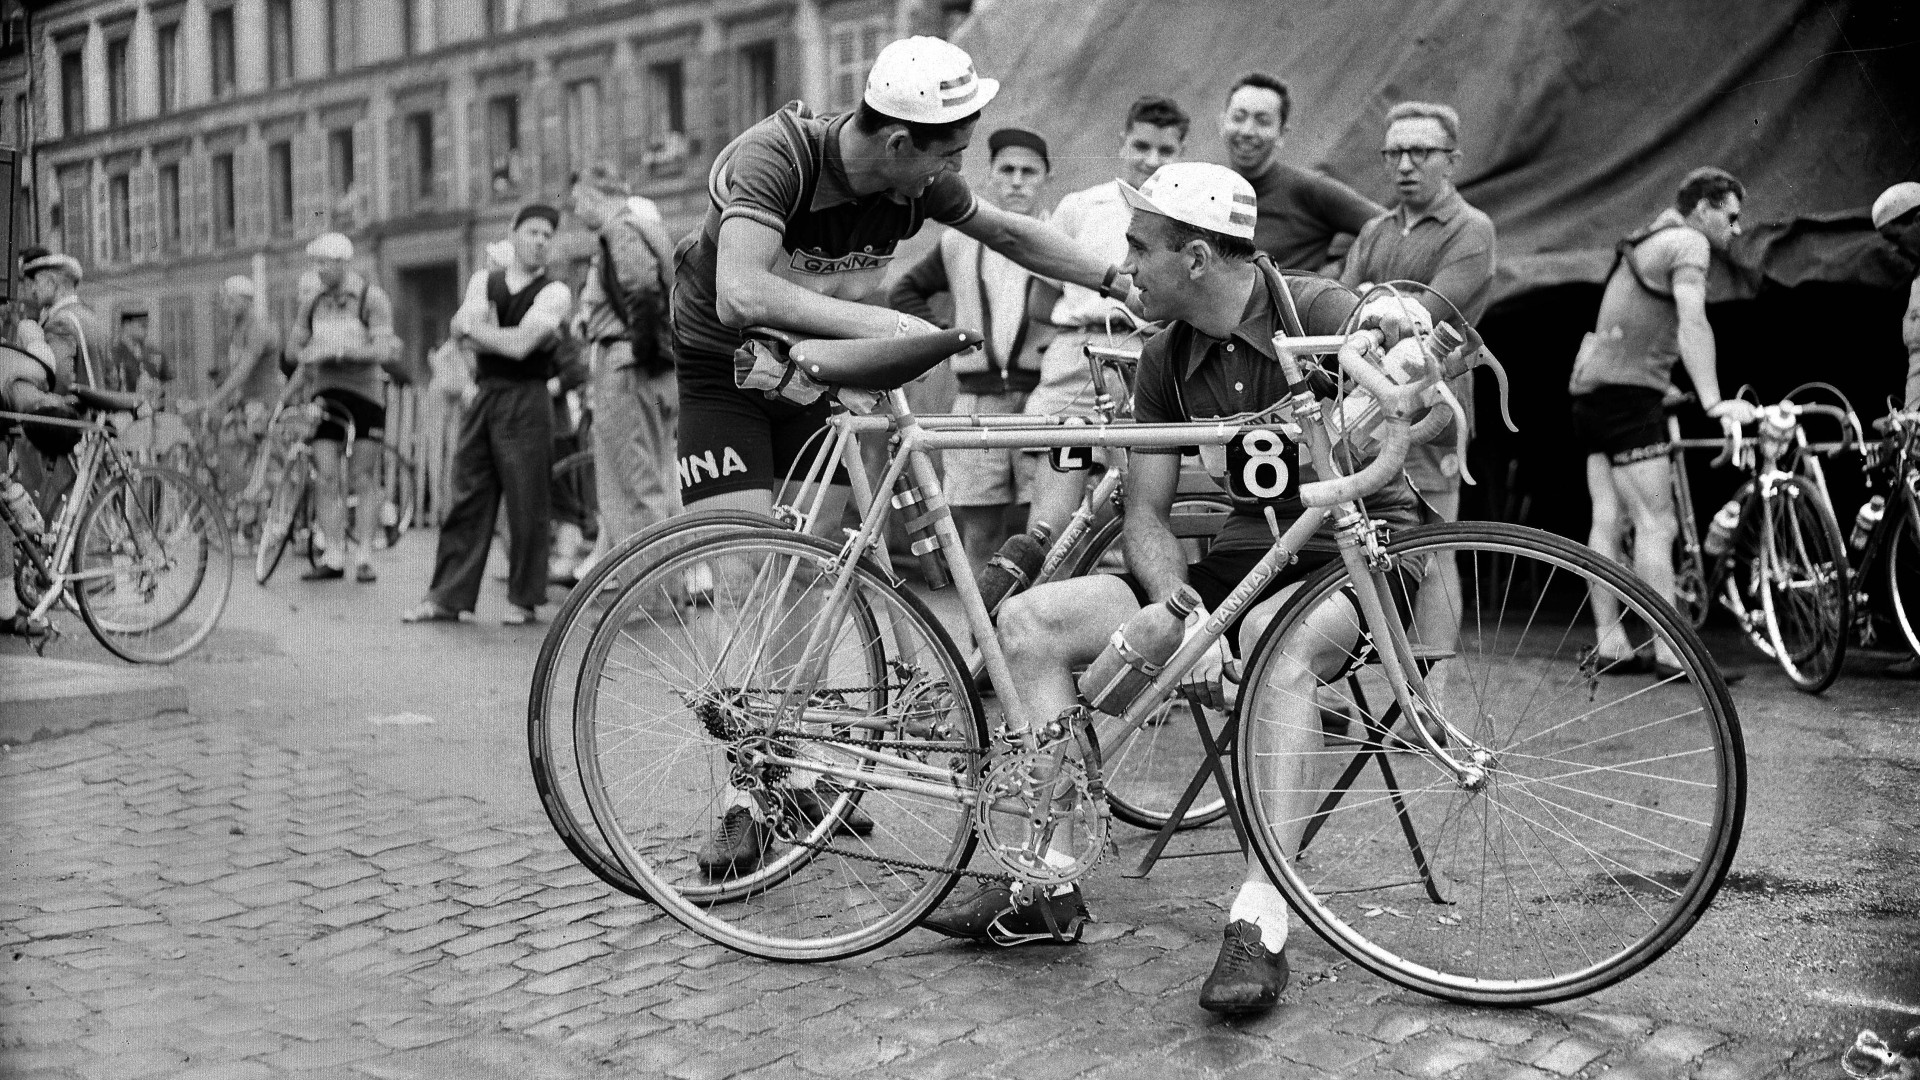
(1646, 491)
(330, 501)
(1607, 537)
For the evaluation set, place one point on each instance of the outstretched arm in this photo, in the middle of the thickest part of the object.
(1037, 246)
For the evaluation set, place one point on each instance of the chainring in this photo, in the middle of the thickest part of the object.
(1057, 809)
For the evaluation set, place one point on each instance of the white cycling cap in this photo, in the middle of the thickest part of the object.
(927, 81)
(239, 285)
(65, 264)
(1200, 194)
(1895, 201)
(331, 245)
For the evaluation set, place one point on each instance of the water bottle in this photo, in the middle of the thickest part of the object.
(25, 513)
(1013, 566)
(1864, 522)
(1720, 533)
(1136, 653)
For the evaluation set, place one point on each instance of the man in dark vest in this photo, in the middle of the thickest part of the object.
(509, 320)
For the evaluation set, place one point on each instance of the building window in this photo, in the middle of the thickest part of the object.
(73, 92)
(340, 41)
(223, 205)
(759, 90)
(666, 118)
(221, 36)
(506, 167)
(119, 109)
(119, 218)
(279, 42)
(583, 123)
(340, 161)
(75, 211)
(420, 154)
(854, 47)
(496, 16)
(169, 199)
(280, 185)
(167, 44)
(409, 27)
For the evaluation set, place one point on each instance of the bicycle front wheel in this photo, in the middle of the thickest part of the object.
(289, 510)
(153, 566)
(1147, 772)
(1903, 568)
(1804, 590)
(782, 772)
(550, 746)
(1604, 813)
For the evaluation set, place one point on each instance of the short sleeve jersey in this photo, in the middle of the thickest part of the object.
(1636, 338)
(786, 173)
(1186, 375)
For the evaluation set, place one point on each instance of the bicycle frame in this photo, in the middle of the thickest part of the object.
(917, 440)
(97, 449)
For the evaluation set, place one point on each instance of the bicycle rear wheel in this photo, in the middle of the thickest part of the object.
(677, 708)
(289, 511)
(154, 564)
(550, 745)
(1903, 568)
(1804, 589)
(1610, 808)
(1147, 772)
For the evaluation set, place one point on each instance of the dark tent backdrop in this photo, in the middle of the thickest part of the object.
(1579, 119)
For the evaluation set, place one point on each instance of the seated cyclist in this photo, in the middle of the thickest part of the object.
(1190, 251)
(342, 336)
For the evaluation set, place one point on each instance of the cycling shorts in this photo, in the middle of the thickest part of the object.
(1626, 423)
(1218, 573)
(737, 440)
(369, 416)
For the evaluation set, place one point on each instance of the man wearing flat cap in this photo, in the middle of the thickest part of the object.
(341, 337)
(505, 453)
(138, 365)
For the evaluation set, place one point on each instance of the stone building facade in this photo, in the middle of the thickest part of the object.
(176, 142)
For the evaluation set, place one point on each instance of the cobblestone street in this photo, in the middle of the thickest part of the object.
(218, 895)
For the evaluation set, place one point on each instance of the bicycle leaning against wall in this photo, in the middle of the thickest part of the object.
(1532, 832)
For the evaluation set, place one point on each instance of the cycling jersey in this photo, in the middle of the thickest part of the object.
(1636, 338)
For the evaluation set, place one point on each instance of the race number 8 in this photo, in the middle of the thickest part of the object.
(1262, 466)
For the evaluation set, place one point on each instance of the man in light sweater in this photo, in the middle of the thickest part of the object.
(990, 490)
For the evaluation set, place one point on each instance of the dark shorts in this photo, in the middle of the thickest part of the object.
(1626, 423)
(738, 440)
(1216, 575)
(369, 417)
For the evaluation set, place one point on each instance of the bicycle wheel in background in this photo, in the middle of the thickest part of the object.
(393, 500)
(1146, 773)
(154, 564)
(574, 499)
(675, 705)
(1610, 806)
(550, 747)
(1903, 568)
(1804, 593)
(289, 511)
(1692, 596)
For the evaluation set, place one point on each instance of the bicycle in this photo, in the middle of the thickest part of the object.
(385, 513)
(139, 552)
(1784, 573)
(812, 661)
(1890, 553)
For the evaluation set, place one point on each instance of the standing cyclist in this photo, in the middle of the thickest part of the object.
(806, 213)
(342, 336)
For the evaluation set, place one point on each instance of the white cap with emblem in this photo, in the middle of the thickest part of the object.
(1200, 194)
(1894, 202)
(927, 81)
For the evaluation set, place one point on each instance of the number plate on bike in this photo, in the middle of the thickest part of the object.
(1071, 458)
(1259, 465)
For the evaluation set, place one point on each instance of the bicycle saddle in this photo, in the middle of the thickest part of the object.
(107, 400)
(877, 363)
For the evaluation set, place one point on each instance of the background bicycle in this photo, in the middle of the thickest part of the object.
(379, 517)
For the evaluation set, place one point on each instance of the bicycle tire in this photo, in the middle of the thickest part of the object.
(1805, 594)
(397, 502)
(288, 509)
(824, 897)
(1146, 773)
(1692, 596)
(1535, 911)
(163, 545)
(550, 746)
(574, 475)
(1903, 568)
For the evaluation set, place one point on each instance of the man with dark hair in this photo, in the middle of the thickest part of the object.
(138, 366)
(1653, 314)
(1896, 216)
(805, 215)
(1190, 251)
(509, 319)
(990, 490)
(1155, 133)
(1302, 213)
(622, 317)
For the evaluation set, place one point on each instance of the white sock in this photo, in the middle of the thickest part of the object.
(1262, 905)
(1057, 858)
